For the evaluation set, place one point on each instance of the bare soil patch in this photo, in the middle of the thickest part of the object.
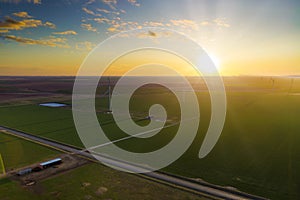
(69, 162)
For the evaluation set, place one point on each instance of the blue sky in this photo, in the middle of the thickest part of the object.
(245, 36)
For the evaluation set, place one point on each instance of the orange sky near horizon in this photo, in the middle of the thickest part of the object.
(243, 38)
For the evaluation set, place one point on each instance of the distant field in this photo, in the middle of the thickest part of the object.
(47, 122)
(93, 181)
(18, 153)
(23, 90)
(258, 152)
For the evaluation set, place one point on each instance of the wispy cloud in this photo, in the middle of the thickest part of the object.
(12, 24)
(185, 23)
(221, 22)
(152, 34)
(85, 46)
(68, 32)
(88, 27)
(118, 25)
(90, 2)
(4, 31)
(154, 24)
(50, 25)
(90, 12)
(111, 3)
(22, 15)
(112, 18)
(102, 20)
(104, 10)
(134, 2)
(20, 1)
(51, 41)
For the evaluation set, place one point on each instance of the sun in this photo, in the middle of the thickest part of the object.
(216, 61)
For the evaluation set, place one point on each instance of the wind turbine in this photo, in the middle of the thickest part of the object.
(109, 97)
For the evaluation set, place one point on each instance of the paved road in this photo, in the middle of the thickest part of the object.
(204, 189)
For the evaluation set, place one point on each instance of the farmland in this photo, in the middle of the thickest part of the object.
(92, 181)
(15, 152)
(258, 151)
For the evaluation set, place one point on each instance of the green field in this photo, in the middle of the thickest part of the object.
(93, 181)
(2, 167)
(18, 153)
(258, 151)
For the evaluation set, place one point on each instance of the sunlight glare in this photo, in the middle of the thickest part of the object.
(216, 61)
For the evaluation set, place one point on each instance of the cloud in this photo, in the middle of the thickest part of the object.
(22, 15)
(89, 27)
(52, 41)
(154, 24)
(102, 20)
(112, 19)
(112, 29)
(69, 32)
(12, 24)
(90, 2)
(109, 12)
(50, 25)
(111, 3)
(4, 31)
(185, 23)
(119, 25)
(21, 1)
(103, 10)
(152, 34)
(90, 12)
(85, 46)
(205, 23)
(221, 22)
(134, 2)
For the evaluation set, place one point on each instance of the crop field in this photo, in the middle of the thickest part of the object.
(92, 181)
(258, 151)
(47, 122)
(18, 153)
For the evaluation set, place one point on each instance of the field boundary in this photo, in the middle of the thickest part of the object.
(2, 165)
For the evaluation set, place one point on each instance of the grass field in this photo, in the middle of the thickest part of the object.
(2, 167)
(258, 151)
(47, 122)
(18, 153)
(93, 181)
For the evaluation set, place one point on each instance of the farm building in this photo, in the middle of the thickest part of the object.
(37, 168)
(50, 163)
(24, 171)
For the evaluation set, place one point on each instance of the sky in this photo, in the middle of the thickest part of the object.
(258, 37)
